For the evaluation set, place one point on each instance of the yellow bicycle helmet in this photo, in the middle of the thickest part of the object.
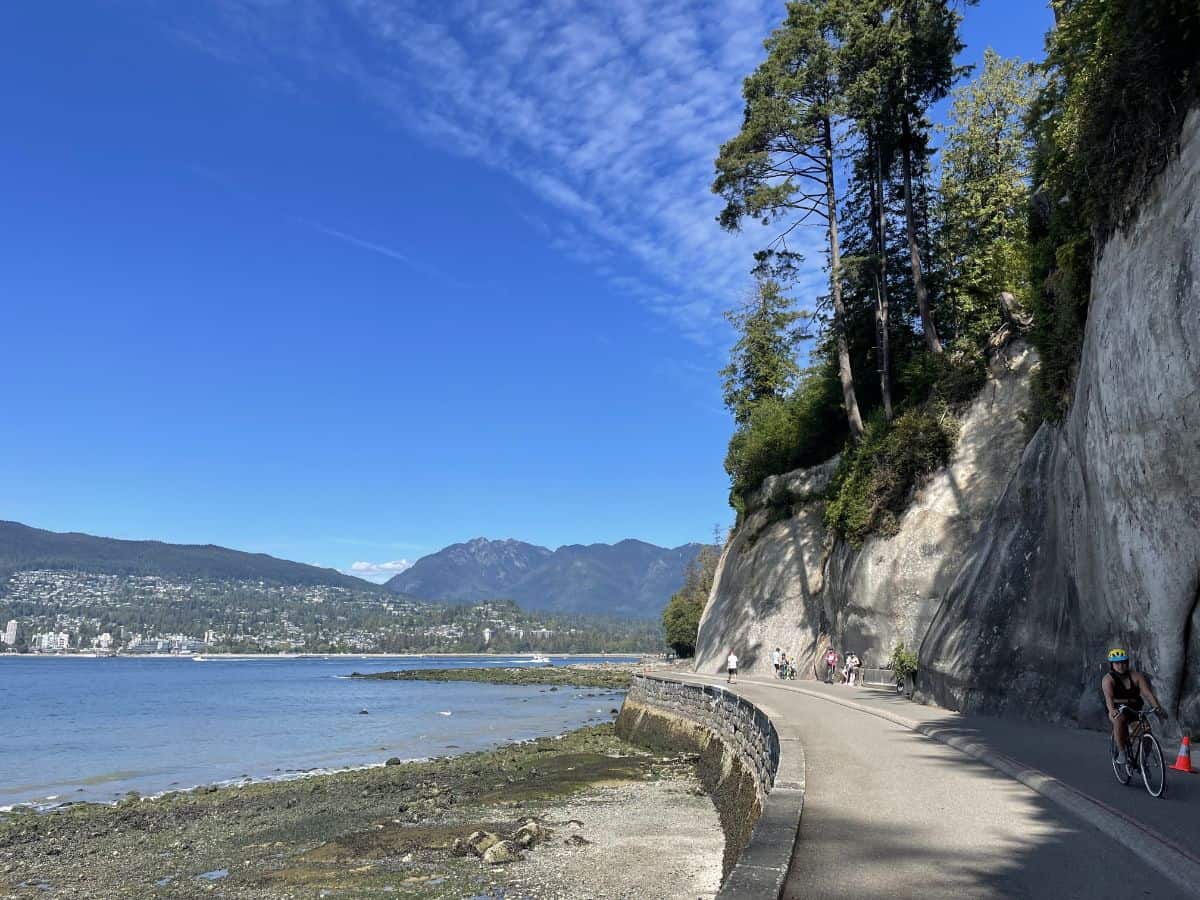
(1116, 654)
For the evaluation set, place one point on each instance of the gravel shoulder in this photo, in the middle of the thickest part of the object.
(587, 815)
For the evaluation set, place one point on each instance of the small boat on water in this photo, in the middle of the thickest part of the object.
(538, 658)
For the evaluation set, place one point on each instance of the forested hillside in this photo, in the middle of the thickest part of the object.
(23, 548)
(940, 243)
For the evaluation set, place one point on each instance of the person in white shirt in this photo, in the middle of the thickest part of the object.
(731, 664)
(852, 665)
(777, 660)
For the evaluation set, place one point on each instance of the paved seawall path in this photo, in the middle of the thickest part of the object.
(890, 811)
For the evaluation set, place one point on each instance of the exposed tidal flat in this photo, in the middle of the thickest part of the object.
(577, 816)
(607, 676)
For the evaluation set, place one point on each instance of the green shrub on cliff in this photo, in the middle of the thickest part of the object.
(876, 478)
(779, 435)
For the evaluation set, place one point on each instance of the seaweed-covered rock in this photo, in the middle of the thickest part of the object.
(481, 841)
(530, 834)
(502, 852)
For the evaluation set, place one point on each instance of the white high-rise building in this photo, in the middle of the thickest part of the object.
(10, 633)
(51, 641)
(487, 635)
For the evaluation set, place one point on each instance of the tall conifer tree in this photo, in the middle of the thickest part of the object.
(780, 166)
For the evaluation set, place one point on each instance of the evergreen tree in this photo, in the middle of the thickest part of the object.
(905, 57)
(763, 363)
(681, 618)
(780, 166)
(985, 190)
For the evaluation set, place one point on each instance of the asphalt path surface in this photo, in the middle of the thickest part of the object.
(890, 812)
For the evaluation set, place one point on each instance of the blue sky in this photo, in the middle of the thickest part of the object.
(345, 281)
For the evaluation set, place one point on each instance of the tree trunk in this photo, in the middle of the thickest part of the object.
(878, 223)
(914, 252)
(853, 417)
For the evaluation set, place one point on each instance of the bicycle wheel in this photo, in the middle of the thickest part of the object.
(1154, 770)
(1121, 770)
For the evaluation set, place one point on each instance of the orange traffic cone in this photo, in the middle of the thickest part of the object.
(1183, 762)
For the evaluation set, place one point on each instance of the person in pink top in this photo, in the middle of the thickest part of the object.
(831, 661)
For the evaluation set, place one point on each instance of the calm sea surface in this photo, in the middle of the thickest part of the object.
(93, 729)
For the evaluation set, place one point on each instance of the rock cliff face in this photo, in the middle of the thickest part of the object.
(1097, 539)
(783, 583)
(1018, 565)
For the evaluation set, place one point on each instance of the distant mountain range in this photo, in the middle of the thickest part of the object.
(629, 579)
(24, 548)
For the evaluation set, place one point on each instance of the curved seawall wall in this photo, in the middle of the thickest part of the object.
(756, 779)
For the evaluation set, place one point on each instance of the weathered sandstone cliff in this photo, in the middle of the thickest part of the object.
(782, 582)
(1097, 539)
(1017, 565)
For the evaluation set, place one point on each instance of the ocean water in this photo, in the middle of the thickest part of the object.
(82, 729)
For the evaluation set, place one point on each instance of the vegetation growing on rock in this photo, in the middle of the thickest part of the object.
(607, 677)
(1122, 76)
(924, 273)
(681, 618)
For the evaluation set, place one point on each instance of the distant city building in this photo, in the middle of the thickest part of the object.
(10, 633)
(50, 641)
(487, 635)
(103, 641)
(149, 645)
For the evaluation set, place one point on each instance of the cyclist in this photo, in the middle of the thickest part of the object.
(1123, 686)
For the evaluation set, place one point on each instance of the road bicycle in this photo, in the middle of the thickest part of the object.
(1143, 754)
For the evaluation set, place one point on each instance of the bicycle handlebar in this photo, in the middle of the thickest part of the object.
(1141, 713)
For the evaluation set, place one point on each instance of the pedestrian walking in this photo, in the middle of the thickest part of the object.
(852, 664)
(777, 660)
(731, 665)
(831, 661)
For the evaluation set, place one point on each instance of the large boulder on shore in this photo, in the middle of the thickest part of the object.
(481, 841)
(502, 852)
(530, 834)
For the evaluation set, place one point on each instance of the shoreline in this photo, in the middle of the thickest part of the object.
(609, 810)
(612, 679)
(293, 656)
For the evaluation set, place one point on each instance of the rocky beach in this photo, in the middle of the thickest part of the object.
(580, 815)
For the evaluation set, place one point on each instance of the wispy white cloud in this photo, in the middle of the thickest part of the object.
(610, 113)
(357, 241)
(378, 572)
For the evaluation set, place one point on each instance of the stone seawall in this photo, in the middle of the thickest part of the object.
(739, 751)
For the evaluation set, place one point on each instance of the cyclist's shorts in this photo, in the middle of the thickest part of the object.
(1130, 714)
